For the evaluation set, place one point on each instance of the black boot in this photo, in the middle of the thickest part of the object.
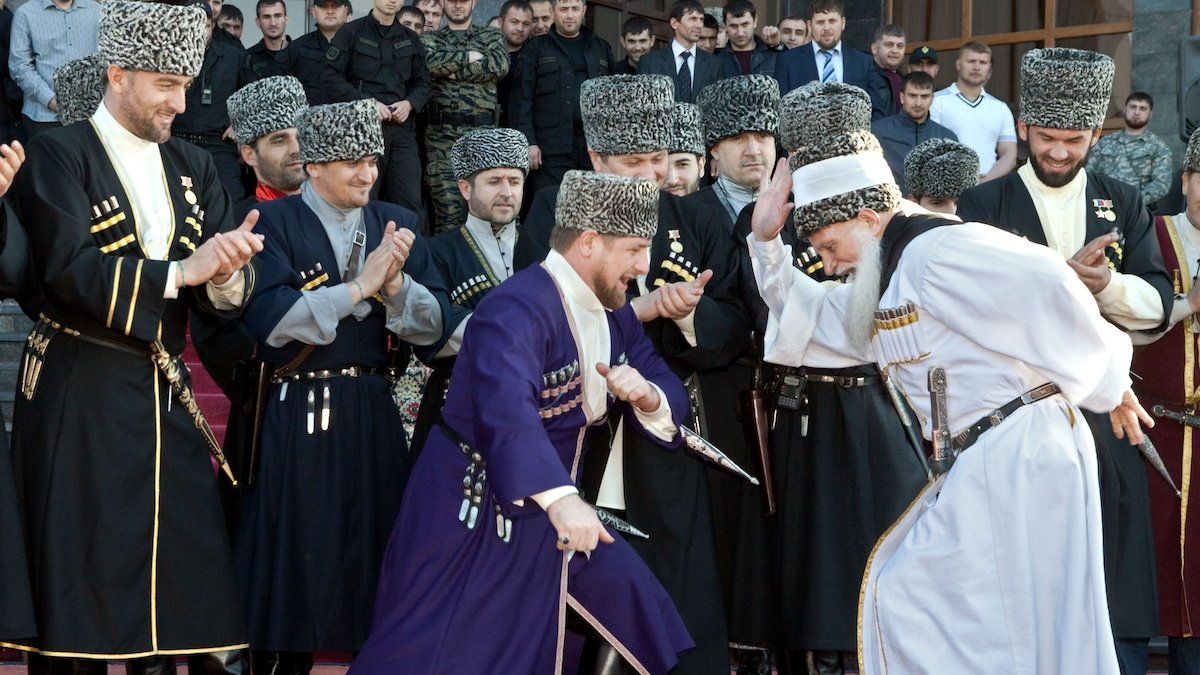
(232, 662)
(791, 662)
(826, 663)
(751, 661)
(37, 664)
(600, 658)
(282, 663)
(151, 665)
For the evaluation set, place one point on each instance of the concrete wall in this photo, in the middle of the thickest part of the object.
(1158, 27)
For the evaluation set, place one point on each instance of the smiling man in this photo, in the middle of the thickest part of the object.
(1102, 228)
(125, 537)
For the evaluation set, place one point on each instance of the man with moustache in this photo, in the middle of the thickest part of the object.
(306, 54)
(997, 565)
(690, 67)
(483, 252)
(740, 118)
(516, 22)
(543, 17)
(902, 132)
(465, 64)
(125, 539)
(1102, 228)
(1135, 154)
(346, 277)
(937, 172)
(628, 122)
(545, 99)
(827, 60)
(376, 58)
(685, 152)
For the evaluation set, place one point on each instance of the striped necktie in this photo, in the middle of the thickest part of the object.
(827, 74)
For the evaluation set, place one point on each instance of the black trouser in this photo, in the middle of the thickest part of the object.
(235, 662)
(554, 167)
(282, 663)
(225, 157)
(33, 127)
(400, 168)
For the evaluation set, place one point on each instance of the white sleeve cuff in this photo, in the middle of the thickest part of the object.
(545, 499)
(658, 422)
(687, 326)
(230, 294)
(170, 290)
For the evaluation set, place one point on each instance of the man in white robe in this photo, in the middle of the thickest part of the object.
(996, 567)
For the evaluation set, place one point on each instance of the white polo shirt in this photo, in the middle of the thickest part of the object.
(979, 125)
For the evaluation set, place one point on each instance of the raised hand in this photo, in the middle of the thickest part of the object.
(627, 384)
(774, 204)
(224, 253)
(1090, 263)
(671, 301)
(403, 239)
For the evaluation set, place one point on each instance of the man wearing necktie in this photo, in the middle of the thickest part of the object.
(692, 68)
(826, 59)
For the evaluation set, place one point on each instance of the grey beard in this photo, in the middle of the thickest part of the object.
(864, 291)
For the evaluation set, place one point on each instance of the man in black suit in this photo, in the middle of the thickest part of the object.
(826, 59)
(746, 54)
(691, 68)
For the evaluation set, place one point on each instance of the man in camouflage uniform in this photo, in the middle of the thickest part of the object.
(465, 64)
(1134, 154)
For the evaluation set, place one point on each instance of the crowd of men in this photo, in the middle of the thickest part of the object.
(752, 351)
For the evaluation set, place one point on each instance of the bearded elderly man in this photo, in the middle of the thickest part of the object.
(1103, 229)
(126, 542)
(997, 565)
(481, 579)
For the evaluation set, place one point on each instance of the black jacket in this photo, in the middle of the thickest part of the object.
(369, 60)
(879, 88)
(223, 72)
(761, 63)
(706, 69)
(305, 58)
(544, 102)
(266, 63)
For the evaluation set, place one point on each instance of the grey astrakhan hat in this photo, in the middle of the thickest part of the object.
(79, 88)
(716, 13)
(1191, 156)
(608, 204)
(489, 149)
(339, 132)
(941, 169)
(837, 164)
(627, 114)
(265, 106)
(1065, 88)
(153, 37)
(687, 135)
(738, 105)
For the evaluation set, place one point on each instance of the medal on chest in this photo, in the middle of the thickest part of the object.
(1104, 209)
(186, 182)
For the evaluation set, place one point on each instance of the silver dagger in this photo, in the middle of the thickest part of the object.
(943, 454)
(619, 525)
(699, 446)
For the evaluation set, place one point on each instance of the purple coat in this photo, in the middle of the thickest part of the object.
(454, 599)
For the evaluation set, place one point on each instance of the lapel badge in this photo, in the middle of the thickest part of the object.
(676, 246)
(1104, 209)
(186, 182)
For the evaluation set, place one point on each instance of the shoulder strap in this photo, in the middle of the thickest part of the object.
(899, 234)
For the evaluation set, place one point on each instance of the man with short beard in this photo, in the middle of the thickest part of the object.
(996, 566)
(1103, 230)
(627, 123)
(465, 63)
(268, 56)
(346, 277)
(543, 17)
(554, 352)
(134, 232)
(685, 153)
(306, 54)
(1135, 154)
(516, 22)
(480, 254)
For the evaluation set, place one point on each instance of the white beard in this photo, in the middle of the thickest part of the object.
(864, 294)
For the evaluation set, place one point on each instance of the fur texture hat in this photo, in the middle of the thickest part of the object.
(817, 110)
(940, 168)
(686, 132)
(265, 106)
(608, 204)
(627, 114)
(826, 127)
(489, 149)
(738, 105)
(1191, 156)
(716, 13)
(1065, 88)
(153, 37)
(79, 88)
(339, 132)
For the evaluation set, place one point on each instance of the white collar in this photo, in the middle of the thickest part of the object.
(1073, 189)
(678, 49)
(836, 49)
(482, 229)
(953, 89)
(112, 131)
(572, 285)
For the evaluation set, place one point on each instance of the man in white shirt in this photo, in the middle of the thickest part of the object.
(979, 119)
(134, 231)
(690, 67)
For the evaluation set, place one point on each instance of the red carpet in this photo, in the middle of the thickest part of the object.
(209, 397)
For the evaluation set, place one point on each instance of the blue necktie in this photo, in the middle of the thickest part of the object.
(827, 74)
